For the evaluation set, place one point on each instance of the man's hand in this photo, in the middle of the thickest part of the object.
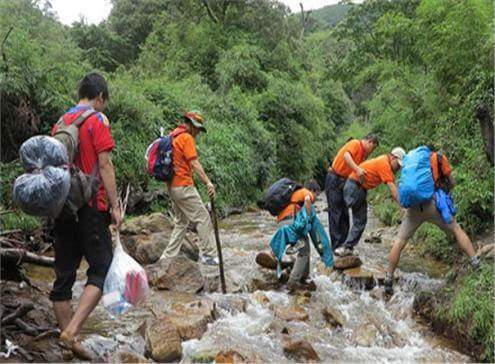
(360, 173)
(211, 190)
(116, 217)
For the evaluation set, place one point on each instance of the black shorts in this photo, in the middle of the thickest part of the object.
(89, 237)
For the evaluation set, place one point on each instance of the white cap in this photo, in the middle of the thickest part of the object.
(399, 153)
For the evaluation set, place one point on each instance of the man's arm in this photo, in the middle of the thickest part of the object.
(393, 191)
(198, 169)
(350, 162)
(307, 203)
(107, 173)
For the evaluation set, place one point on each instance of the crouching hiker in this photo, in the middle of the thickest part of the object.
(347, 160)
(424, 190)
(186, 201)
(376, 171)
(297, 222)
(87, 234)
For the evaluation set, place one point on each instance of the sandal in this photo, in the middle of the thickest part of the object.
(73, 344)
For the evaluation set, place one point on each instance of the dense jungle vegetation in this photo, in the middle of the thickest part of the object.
(281, 93)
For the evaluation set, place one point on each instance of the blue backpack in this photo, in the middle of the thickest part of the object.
(416, 181)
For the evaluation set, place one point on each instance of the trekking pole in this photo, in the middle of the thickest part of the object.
(219, 246)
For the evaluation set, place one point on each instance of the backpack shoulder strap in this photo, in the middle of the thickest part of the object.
(439, 163)
(83, 116)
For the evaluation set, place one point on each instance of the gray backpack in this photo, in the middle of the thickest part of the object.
(83, 187)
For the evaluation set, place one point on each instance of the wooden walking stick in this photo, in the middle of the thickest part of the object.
(219, 246)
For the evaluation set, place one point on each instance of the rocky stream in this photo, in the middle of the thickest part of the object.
(187, 319)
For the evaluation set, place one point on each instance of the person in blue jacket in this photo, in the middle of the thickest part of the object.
(297, 223)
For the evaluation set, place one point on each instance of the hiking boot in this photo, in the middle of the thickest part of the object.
(297, 287)
(310, 284)
(284, 277)
(343, 251)
(206, 260)
(388, 284)
(476, 263)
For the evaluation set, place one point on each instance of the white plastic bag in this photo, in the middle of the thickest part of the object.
(126, 283)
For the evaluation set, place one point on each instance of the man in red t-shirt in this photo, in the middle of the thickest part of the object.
(347, 160)
(186, 201)
(89, 235)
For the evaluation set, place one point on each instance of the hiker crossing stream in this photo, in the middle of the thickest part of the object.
(345, 319)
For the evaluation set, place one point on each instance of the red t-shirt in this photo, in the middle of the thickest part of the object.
(94, 138)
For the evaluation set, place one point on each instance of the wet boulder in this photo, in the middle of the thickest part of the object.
(145, 224)
(350, 261)
(123, 356)
(293, 313)
(299, 350)
(176, 274)
(333, 317)
(230, 357)
(359, 277)
(191, 319)
(163, 343)
(266, 260)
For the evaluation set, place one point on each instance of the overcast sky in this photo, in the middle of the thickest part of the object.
(94, 11)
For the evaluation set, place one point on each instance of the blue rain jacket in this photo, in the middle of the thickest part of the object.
(445, 205)
(303, 225)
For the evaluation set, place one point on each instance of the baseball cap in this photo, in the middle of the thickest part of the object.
(399, 153)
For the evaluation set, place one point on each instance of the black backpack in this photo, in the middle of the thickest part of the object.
(278, 195)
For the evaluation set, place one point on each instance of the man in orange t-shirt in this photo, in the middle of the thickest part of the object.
(186, 201)
(428, 212)
(377, 171)
(302, 197)
(347, 160)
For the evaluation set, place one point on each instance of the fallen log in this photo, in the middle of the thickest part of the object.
(19, 312)
(22, 255)
(26, 328)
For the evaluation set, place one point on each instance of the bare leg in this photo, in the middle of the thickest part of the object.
(395, 255)
(63, 313)
(87, 304)
(463, 240)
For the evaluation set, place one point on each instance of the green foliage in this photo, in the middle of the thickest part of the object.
(330, 15)
(472, 306)
(434, 242)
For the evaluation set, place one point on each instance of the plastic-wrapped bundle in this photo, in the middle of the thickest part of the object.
(42, 193)
(41, 151)
(126, 283)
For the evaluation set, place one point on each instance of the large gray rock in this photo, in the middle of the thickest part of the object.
(163, 342)
(146, 224)
(176, 274)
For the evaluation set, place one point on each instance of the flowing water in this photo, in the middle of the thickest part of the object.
(375, 330)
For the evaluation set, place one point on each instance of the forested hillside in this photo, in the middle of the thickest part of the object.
(280, 94)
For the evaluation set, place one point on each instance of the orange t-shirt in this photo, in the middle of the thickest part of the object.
(446, 168)
(378, 170)
(296, 201)
(184, 151)
(356, 149)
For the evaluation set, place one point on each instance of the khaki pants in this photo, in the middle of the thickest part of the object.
(188, 207)
(415, 216)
